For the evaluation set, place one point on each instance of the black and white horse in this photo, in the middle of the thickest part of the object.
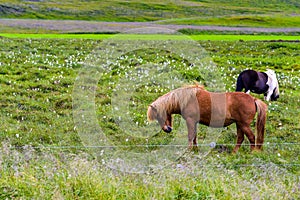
(260, 83)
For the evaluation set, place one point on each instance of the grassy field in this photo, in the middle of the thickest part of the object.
(242, 20)
(43, 155)
(73, 106)
(211, 37)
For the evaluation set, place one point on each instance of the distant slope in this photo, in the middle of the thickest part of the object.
(134, 10)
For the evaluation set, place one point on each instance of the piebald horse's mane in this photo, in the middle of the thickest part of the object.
(173, 99)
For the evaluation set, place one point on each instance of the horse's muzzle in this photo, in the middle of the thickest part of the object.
(167, 129)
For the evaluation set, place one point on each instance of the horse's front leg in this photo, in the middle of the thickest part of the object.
(192, 133)
(269, 94)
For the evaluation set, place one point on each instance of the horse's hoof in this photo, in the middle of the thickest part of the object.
(256, 150)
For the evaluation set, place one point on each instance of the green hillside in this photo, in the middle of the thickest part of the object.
(120, 10)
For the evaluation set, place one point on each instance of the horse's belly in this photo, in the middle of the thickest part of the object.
(258, 91)
(217, 123)
(260, 88)
(228, 122)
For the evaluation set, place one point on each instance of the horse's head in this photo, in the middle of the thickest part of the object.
(275, 94)
(164, 119)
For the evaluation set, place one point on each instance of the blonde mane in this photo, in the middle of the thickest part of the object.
(173, 99)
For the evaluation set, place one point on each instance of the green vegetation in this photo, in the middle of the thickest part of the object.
(56, 36)
(226, 37)
(256, 11)
(243, 21)
(42, 155)
(191, 31)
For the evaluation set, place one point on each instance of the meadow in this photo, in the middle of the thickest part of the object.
(179, 36)
(73, 106)
(44, 155)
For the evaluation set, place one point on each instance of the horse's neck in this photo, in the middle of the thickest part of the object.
(185, 97)
(263, 76)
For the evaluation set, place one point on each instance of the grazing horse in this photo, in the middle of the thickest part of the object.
(196, 105)
(260, 83)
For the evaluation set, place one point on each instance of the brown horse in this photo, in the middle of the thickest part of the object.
(196, 105)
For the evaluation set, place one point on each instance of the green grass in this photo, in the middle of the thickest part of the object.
(56, 36)
(44, 151)
(118, 10)
(192, 31)
(242, 21)
(226, 37)
(43, 156)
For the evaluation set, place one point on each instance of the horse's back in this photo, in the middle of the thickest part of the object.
(239, 99)
(249, 73)
(222, 109)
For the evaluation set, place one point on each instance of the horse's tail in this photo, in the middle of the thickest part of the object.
(261, 108)
(239, 84)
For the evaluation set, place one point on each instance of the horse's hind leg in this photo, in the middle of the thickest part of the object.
(251, 137)
(239, 140)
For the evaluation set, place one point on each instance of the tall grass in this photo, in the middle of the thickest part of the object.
(53, 174)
